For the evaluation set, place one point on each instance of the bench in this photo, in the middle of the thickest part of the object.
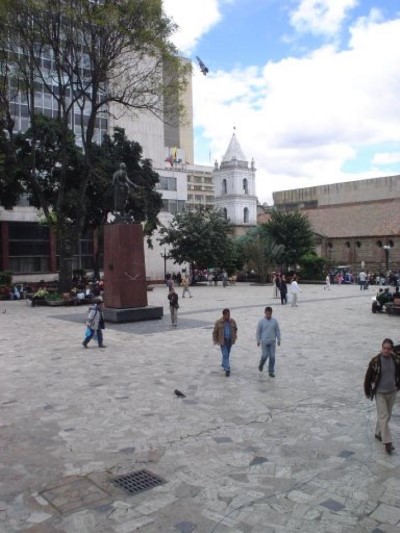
(393, 308)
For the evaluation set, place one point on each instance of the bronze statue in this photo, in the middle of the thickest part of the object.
(121, 184)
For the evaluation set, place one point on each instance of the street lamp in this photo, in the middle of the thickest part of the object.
(387, 248)
(165, 256)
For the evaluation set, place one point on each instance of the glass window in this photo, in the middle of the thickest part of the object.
(246, 215)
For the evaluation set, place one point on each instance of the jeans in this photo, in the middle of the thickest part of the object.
(99, 337)
(226, 350)
(283, 298)
(268, 352)
(174, 315)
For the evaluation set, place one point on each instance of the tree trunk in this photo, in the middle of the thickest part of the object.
(66, 248)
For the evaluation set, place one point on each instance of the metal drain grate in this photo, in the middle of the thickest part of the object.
(137, 481)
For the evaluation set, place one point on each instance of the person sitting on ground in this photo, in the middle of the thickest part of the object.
(40, 295)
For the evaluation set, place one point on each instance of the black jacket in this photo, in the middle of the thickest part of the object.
(373, 375)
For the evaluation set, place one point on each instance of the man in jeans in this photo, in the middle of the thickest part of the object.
(268, 333)
(225, 334)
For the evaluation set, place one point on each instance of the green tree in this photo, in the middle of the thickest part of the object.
(202, 237)
(314, 267)
(143, 204)
(261, 252)
(292, 230)
(85, 55)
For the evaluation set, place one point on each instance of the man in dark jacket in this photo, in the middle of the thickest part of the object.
(225, 334)
(382, 381)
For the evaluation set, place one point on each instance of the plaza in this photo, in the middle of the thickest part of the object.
(239, 454)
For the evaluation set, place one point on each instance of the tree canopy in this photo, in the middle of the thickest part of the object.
(83, 56)
(260, 251)
(202, 237)
(293, 231)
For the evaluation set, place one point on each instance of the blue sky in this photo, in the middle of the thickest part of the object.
(310, 85)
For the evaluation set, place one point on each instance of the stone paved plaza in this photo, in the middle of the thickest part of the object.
(248, 453)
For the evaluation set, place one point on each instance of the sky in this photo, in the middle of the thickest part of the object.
(312, 87)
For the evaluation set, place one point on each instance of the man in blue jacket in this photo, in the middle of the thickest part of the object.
(268, 334)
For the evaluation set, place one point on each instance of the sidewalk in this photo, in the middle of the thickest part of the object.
(247, 453)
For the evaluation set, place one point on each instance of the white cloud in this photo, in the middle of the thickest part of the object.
(303, 119)
(193, 18)
(321, 16)
(386, 158)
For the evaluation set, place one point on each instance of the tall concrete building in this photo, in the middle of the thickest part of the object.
(235, 187)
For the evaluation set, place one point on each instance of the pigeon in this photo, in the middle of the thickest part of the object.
(5, 311)
(202, 66)
(179, 393)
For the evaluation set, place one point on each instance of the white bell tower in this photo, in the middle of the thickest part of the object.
(234, 186)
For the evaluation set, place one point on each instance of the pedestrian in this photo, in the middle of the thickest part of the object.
(185, 284)
(224, 279)
(268, 335)
(95, 323)
(283, 289)
(362, 277)
(170, 282)
(173, 305)
(382, 381)
(277, 282)
(225, 334)
(295, 290)
(327, 283)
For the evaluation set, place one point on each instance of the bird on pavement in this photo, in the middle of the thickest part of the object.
(179, 393)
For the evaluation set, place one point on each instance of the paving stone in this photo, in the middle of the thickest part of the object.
(246, 454)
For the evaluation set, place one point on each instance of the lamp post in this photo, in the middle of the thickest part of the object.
(387, 248)
(165, 257)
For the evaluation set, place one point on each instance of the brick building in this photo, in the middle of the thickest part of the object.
(353, 222)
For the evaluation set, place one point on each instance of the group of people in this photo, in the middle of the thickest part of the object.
(281, 289)
(385, 297)
(268, 335)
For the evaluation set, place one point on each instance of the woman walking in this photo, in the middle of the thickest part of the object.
(173, 306)
(95, 323)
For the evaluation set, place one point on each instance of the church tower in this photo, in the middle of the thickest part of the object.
(235, 188)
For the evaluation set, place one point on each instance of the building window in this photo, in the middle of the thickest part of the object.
(167, 183)
(390, 243)
(225, 211)
(330, 245)
(379, 244)
(246, 186)
(199, 197)
(173, 206)
(358, 244)
(224, 187)
(29, 247)
(246, 215)
(347, 244)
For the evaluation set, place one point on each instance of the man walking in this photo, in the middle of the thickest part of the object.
(268, 333)
(382, 381)
(225, 334)
(295, 290)
(185, 285)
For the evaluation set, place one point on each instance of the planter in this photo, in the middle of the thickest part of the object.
(54, 303)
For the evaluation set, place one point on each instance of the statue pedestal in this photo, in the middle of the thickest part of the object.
(125, 275)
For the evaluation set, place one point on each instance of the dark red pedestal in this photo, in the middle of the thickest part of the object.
(124, 267)
(125, 275)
